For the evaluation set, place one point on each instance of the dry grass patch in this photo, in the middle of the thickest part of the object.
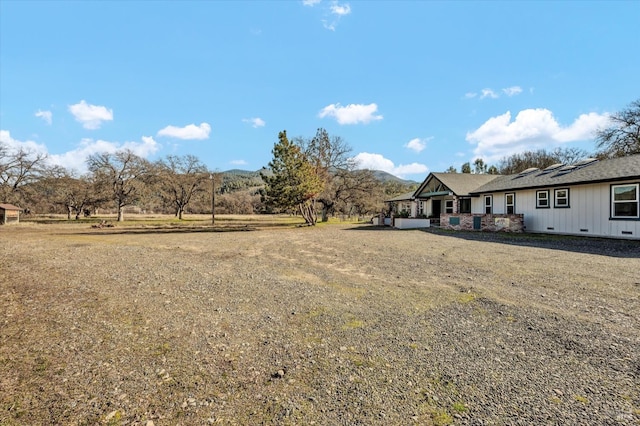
(337, 324)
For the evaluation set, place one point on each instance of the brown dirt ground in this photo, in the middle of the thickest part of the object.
(337, 324)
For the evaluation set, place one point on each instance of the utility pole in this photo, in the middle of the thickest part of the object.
(213, 198)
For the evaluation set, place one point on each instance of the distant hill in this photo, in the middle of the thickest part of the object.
(237, 179)
(388, 177)
(241, 172)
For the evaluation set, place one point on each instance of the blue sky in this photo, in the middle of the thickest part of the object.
(412, 86)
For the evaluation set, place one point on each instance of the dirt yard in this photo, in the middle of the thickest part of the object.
(332, 325)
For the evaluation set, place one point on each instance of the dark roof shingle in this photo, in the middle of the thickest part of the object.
(608, 170)
(461, 184)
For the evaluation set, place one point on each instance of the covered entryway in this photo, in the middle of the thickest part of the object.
(436, 208)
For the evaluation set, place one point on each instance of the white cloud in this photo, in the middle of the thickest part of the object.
(47, 116)
(190, 131)
(15, 145)
(255, 122)
(365, 160)
(512, 91)
(91, 116)
(238, 162)
(532, 129)
(352, 113)
(583, 128)
(76, 158)
(488, 93)
(332, 13)
(340, 9)
(417, 144)
(329, 25)
(145, 148)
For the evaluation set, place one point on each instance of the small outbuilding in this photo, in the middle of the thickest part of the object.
(9, 214)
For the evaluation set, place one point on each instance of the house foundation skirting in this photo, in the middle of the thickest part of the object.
(483, 222)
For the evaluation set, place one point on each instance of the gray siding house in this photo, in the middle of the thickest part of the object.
(591, 197)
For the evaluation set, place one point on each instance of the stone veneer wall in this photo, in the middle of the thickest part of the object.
(489, 222)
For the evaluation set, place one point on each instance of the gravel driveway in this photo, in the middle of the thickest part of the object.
(332, 325)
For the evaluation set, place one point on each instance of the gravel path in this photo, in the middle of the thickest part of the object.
(333, 325)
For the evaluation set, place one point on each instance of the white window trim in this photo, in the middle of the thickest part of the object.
(544, 192)
(490, 205)
(614, 202)
(506, 202)
(556, 198)
(447, 207)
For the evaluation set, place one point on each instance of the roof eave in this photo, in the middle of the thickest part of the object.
(555, 185)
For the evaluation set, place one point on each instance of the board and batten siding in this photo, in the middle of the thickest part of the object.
(588, 213)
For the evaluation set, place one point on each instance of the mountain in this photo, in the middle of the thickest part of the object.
(241, 172)
(236, 179)
(388, 177)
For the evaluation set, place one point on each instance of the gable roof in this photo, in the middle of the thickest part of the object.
(9, 207)
(609, 170)
(461, 184)
(407, 196)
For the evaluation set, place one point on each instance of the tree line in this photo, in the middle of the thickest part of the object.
(114, 181)
(517, 162)
(123, 180)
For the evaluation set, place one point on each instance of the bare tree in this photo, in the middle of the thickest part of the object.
(357, 191)
(240, 202)
(122, 174)
(331, 160)
(622, 137)
(18, 167)
(540, 159)
(60, 187)
(81, 193)
(179, 179)
(569, 155)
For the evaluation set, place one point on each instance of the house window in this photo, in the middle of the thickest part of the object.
(510, 203)
(542, 199)
(465, 205)
(561, 198)
(448, 206)
(488, 204)
(624, 201)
